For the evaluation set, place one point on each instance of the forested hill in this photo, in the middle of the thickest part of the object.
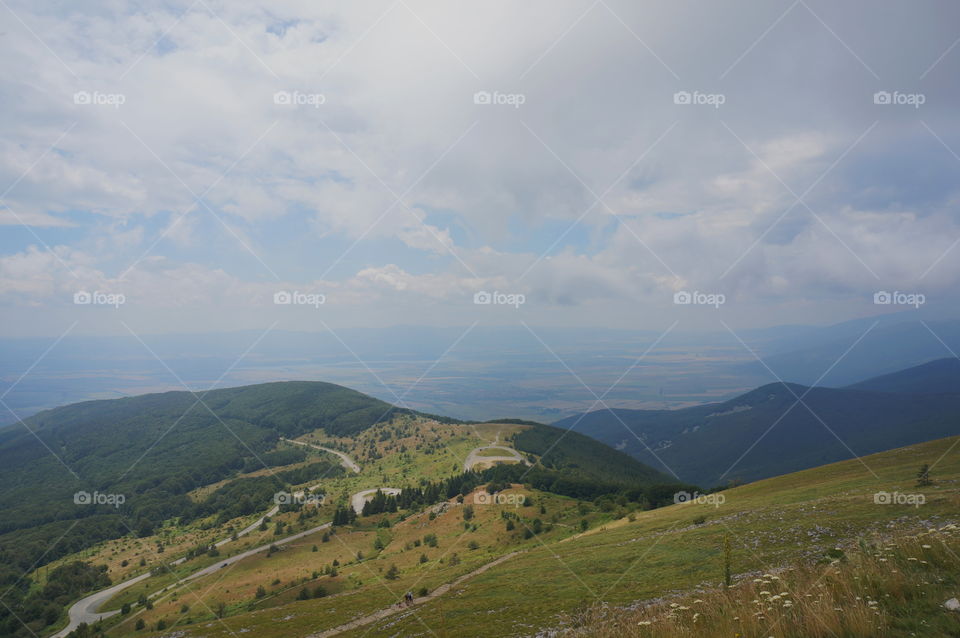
(579, 456)
(154, 449)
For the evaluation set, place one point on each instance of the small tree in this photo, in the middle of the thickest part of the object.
(923, 476)
(393, 573)
(261, 592)
(140, 624)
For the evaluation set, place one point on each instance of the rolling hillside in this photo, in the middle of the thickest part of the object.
(153, 450)
(766, 432)
(664, 566)
(183, 468)
(485, 575)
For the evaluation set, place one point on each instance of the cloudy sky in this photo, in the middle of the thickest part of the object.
(393, 159)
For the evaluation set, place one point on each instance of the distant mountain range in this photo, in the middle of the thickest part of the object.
(848, 353)
(941, 376)
(784, 427)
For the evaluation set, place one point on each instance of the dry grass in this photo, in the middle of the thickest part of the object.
(886, 588)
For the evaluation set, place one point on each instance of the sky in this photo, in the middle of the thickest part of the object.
(204, 166)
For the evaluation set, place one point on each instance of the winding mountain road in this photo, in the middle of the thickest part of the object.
(345, 460)
(475, 456)
(85, 609)
(359, 499)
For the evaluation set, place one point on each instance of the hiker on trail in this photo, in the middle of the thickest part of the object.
(409, 598)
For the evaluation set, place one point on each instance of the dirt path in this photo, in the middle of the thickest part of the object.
(393, 609)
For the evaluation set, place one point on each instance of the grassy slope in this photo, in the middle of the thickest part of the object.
(361, 585)
(770, 523)
(431, 451)
(402, 452)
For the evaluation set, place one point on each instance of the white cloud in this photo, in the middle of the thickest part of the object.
(398, 119)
